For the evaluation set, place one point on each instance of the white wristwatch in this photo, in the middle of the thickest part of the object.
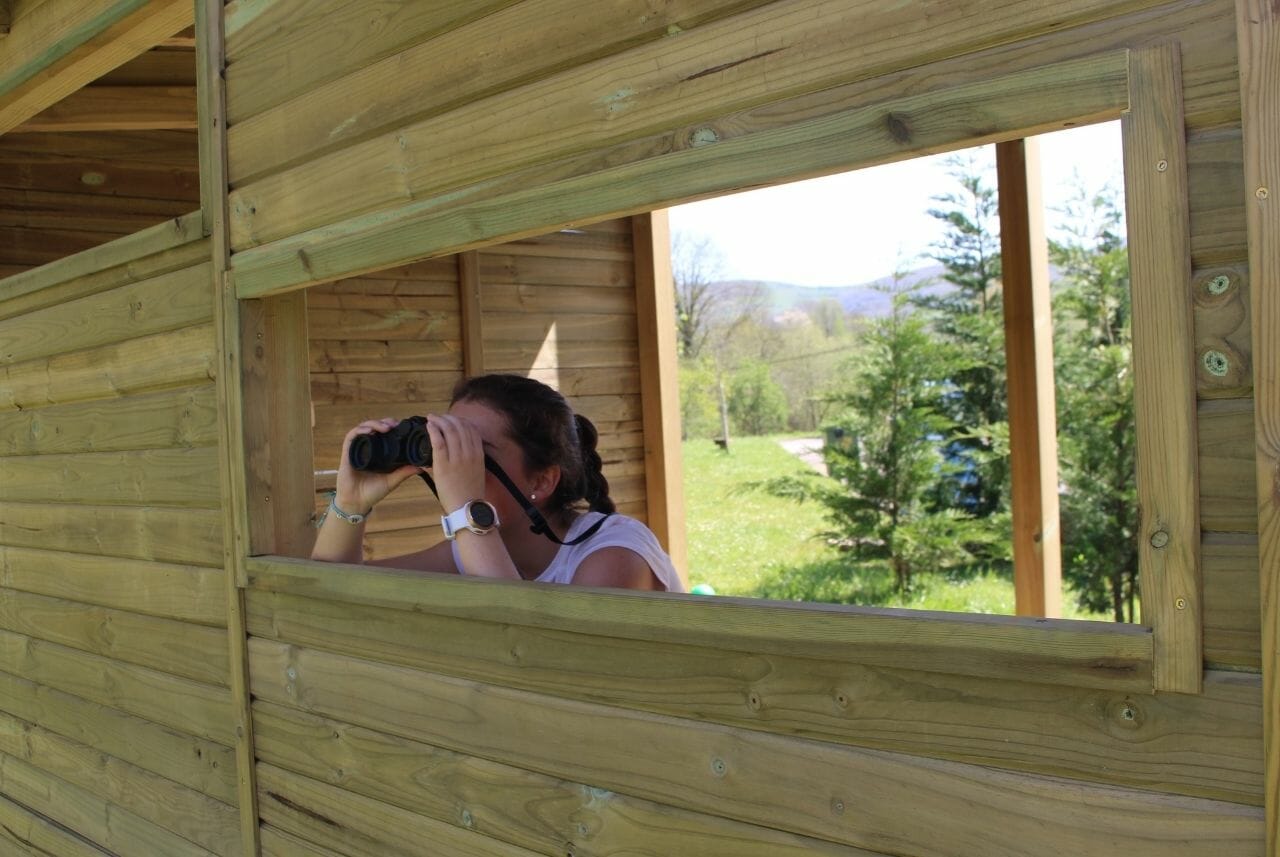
(478, 516)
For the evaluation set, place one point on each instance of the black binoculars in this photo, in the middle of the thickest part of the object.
(383, 452)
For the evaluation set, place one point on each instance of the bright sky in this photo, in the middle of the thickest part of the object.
(853, 227)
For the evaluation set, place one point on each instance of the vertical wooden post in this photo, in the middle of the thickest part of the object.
(210, 63)
(1028, 334)
(660, 384)
(1258, 37)
(1155, 181)
(469, 307)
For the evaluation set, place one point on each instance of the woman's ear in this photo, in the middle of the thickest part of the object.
(545, 481)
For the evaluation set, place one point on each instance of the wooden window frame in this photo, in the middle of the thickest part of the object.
(1141, 86)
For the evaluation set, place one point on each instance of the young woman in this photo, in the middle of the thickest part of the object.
(548, 452)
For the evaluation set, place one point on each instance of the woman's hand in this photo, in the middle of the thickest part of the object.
(358, 491)
(457, 460)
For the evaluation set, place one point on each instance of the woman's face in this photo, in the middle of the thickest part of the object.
(498, 445)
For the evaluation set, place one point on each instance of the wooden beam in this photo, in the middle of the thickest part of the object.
(1028, 332)
(808, 141)
(660, 385)
(1155, 175)
(1258, 36)
(233, 478)
(65, 44)
(6, 16)
(119, 108)
(1049, 651)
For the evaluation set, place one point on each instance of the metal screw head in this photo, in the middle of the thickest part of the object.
(837, 806)
(1162, 165)
(1128, 713)
(467, 819)
(1216, 363)
(704, 136)
(1262, 193)
(718, 767)
(1181, 604)
(1218, 285)
(1159, 539)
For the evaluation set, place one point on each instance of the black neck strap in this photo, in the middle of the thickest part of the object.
(540, 525)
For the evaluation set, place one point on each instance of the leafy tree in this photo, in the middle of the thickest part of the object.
(1095, 399)
(699, 399)
(757, 404)
(969, 317)
(886, 462)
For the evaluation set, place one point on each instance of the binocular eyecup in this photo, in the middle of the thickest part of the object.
(382, 452)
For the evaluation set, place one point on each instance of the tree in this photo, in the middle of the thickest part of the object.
(969, 318)
(887, 462)
(1095, 398)
(696, 266)
(757, 404)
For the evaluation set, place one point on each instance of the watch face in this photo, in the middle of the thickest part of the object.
(482, 514)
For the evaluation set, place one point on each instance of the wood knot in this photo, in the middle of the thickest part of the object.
(899, 130)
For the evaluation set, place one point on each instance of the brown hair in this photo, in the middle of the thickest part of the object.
(548, 432)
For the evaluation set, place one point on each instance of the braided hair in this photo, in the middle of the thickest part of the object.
(548, 433)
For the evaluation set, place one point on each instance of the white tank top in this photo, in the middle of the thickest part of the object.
(618, 531)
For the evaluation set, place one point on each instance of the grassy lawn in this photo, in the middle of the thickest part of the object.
(745, 542)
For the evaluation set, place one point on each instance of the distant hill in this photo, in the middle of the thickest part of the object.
(860, 298)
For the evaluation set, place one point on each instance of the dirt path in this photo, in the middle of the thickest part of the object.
(808, 450)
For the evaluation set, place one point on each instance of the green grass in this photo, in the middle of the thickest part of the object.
(747, 543)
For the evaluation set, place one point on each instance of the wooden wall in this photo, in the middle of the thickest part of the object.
(509, 720)
(113, 158)
(559, 307)
(115, 715)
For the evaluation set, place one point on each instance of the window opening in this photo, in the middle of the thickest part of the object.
(858, 322)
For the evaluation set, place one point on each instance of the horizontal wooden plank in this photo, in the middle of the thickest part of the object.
(183, 418)
(34, 247)
(358, 825)
(1232, 615)
(162, 802)
(277, 843)
(198, 763)
(437, 269)
(25, 832)
(167, 302)
(558, 300)
(179, 358)
(159, 477)
(392, 323)
(386, 295)
(1079, 654)
(1044, 729)
(189, 706)
(773, 143)
(556, 328)
(184, 536)
(118, 108)
(790, 784)
(381, 387)
(117, 257)
(336, 355)
(522, 357)
(161, 152)
(500, 267)
(1224, 365)
(519, 807)
(1228, 492)
(89, 815)
(183, 592)
(263, 38)
(582, 242)
(157, 67)
(113, 215)
(179, 648)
